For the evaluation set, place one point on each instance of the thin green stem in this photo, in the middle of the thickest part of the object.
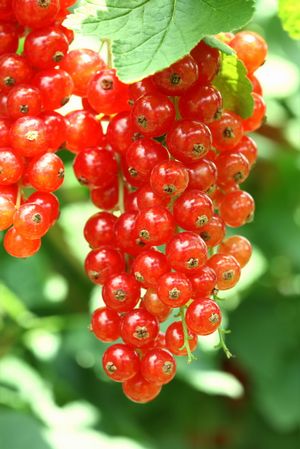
(222, 344)
(187, 338)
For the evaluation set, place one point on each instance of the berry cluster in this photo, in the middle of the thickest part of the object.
(170, 172)
(32, 86)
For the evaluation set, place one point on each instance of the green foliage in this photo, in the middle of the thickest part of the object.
(234, 86)
(289, 13)
(149, 35)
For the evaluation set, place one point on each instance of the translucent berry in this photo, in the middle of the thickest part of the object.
(237, 246)
(120, 362)
(175, 339)
(18, 246)
(192, 210)
(186, 252)
(227, 269)
(103, 262)
(177, 78)
(174, 289)
(169, 178)
(99, 229)
(203, 316)
(105, 324)
(121, 292)
(139, 390)
(202, 103)
(31, 221)
(158, 366)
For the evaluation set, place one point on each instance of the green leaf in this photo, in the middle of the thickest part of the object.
(234, 86)
(289, 13)
(149, 35)
(212, 41)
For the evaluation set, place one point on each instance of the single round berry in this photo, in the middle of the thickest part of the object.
(95, 167)
(186, 252)
(227, 131)
(48, 202)
(99, 229)
(23, 100)
(155, 306)
(106, 197)
(203, 317)
(103, 262)
(56, 129)
(11, 166)
(139, 390)
(174, 289)
(125, 234)
(120, 362)
(139, 328)
(175, 339)
(213, 232)
(178, 78)
(14, 70)
(105, 324)
(36, 13)
(141, 88)
(208, 60)
(258, 116)
(201, 103)
(121, 292)
(238, 247)
(251, 48)
(18, 246)
(169, 178)
(46, 173)
(28, 136)
(149, 266)
(248, 148)
(203, 282)
(227, 269)
(158, 366)
(237, 208)
(7, 211)
(120, 133)
(232, 167)
(192, 210)
(147, 199)
(83, 130)
(56, 81)
(203, 175)
(155, 226)
(31, 221)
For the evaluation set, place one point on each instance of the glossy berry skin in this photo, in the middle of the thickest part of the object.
(120, 133)
(56, 129)
(11, 166)
(139, 328)
(141, 156)
(186, 252)
(121, 292)
(9, 38)
(106, 197)
(139, 390)
(120, 362)
(99, 229)
(155, 306)
(153, 115)
(169, 178)
(125, 234)
(45, 48)
(147, 199)
(6, 13)
(94, 167)
(174, 289)
(18, 246)
(192, 210)
(203, 175)
(106, 93)
(237, 208)
(227, 131)
(155, 226)
(83, 130)
(203, 317)
(14, 70)
(178, 78)
(23, 100)
(36, 13)
(149, 266)
(238, 247)
(175, 339)
(202, 103)
(248, 148)
(28, 136)
(227, 269)
(105, 324)
(256, 86)
(46, 173)
(141, 88)
(130, 201)
(203, 282)
(7, 211)
(189, 141)
(208, 60)
(56, 81)
(103, 262)
(48, 202)
(258, 116)
(232, 167)
(5, 125)
(10, 191)
(82, 64)
(213, 232)
(158, 366)
(251, 48)
(31, 221)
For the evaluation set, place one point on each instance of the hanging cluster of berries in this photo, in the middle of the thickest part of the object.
(32, 86)
(166, 176)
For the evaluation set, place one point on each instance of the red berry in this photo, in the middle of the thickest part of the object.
(250, 48)
(232, 167)
(99, 229)
(139, 328)
(10, 192)
(189, 140)
(31, 221)
(125, 234)
(208, 60)
(227, 131)
(45, 48)
(155, 306)
(14, 70)
(213, 232)
(153, 115)
(158, 366)
(139, 390)
(141, 88)
(201, 103)
(248, 148)
(237, 246)
(146, 198)
(105, 324)
(28, 136)
(49, 203)
(120, 362)
(155, 226)
(106, 93)
(23, 100)
(175, 339)
(56, 129)
(258, 116)
(148, 266)
(203, 175)
(9, 38)
(83, 130)
(11, 166)
(121, 292)
(227, 269)
(203, 282)
(192, 210)
(5, 124)
(36, 13)
(82, 64)
(203, 316)
(169, 178)
(103, 262)
(106, 197)
(256, 86)
(18, 246)
(7, 210)
(46, 173)
(95, 167)
(237, 208)
(174, 289)
(56, 87)
(178, 78)
(186, 252)
(120, 133)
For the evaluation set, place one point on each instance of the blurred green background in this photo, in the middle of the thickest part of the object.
(53, 394)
